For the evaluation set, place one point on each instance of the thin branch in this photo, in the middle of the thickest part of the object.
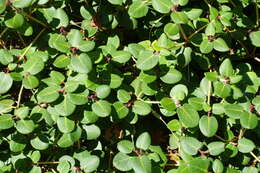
(19, 97)
(48, 163)
(3, 32)
(257, 13)
(183, 33)
(257, 158)
(197, 31)
(35, 39)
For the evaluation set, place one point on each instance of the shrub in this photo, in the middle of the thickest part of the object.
(141, 86)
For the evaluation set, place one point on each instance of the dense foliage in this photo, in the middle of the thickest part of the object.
(137, 86)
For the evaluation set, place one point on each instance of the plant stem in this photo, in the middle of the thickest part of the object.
(19, 97)
(257, 158)
(201, 28)
(241, 133)
(3, 32)
(183, 33)
(48, 163)
(257, 13)
(30, 45)
(209, 93)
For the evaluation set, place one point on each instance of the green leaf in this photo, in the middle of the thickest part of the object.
(103, 91)
(226, 68)
(48, 95)
(147, 60)
(61, 61)
(208, 125)
(206, 46)
(122, 162)
(15, 22)
(222, 90)
(172, 31)
(65, 141)
(216, 148)
(89, 117)
(21, 3)
(255, 38)
(141, 164)
(248, 120)
(168, 103)
(179, 17)
(123, 96)
(125, 146)
(102, 108)
(141, 108)
(6, 121)
(6, 82)
(34, 65)
(250, 169)
(138, 9)
(121, 56)
(174, 125)
(220, 45)
(59, 42)
(190, 145)
(188, 116)
(78, 98)
(25, 126)
(143, 141)
(63, 167)
(179, 92)
(93, 131)
(30, 82)
(210, 29)
(62, 17)
(5, 57)
(121, 110)
(90, 163)
(81, 63)
(193, 13)
(40, 142)
(65, 125)
(6, 105)
(217, 166)
(2, 6)
(233, 110)
(172, 76)
(245, 145)
(162, 6)
(116, 2)
(65, 108)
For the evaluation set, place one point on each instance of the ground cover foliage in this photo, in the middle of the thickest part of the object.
(138, 86)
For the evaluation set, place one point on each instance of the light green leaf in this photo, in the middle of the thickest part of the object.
(245, 145)
(102, 108)
(255, 38)
(141, 108)
(190, 145)
(125, 146)
(122, 162)
(162, 6)
(138, 9)
(208, 125)
(147, 60)
(216, 148)
(6, 82)
(188, 116)
(6, 121)
(143, 141)
(220, 45)
(65, 125)
(25, 126)
(81, 63)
